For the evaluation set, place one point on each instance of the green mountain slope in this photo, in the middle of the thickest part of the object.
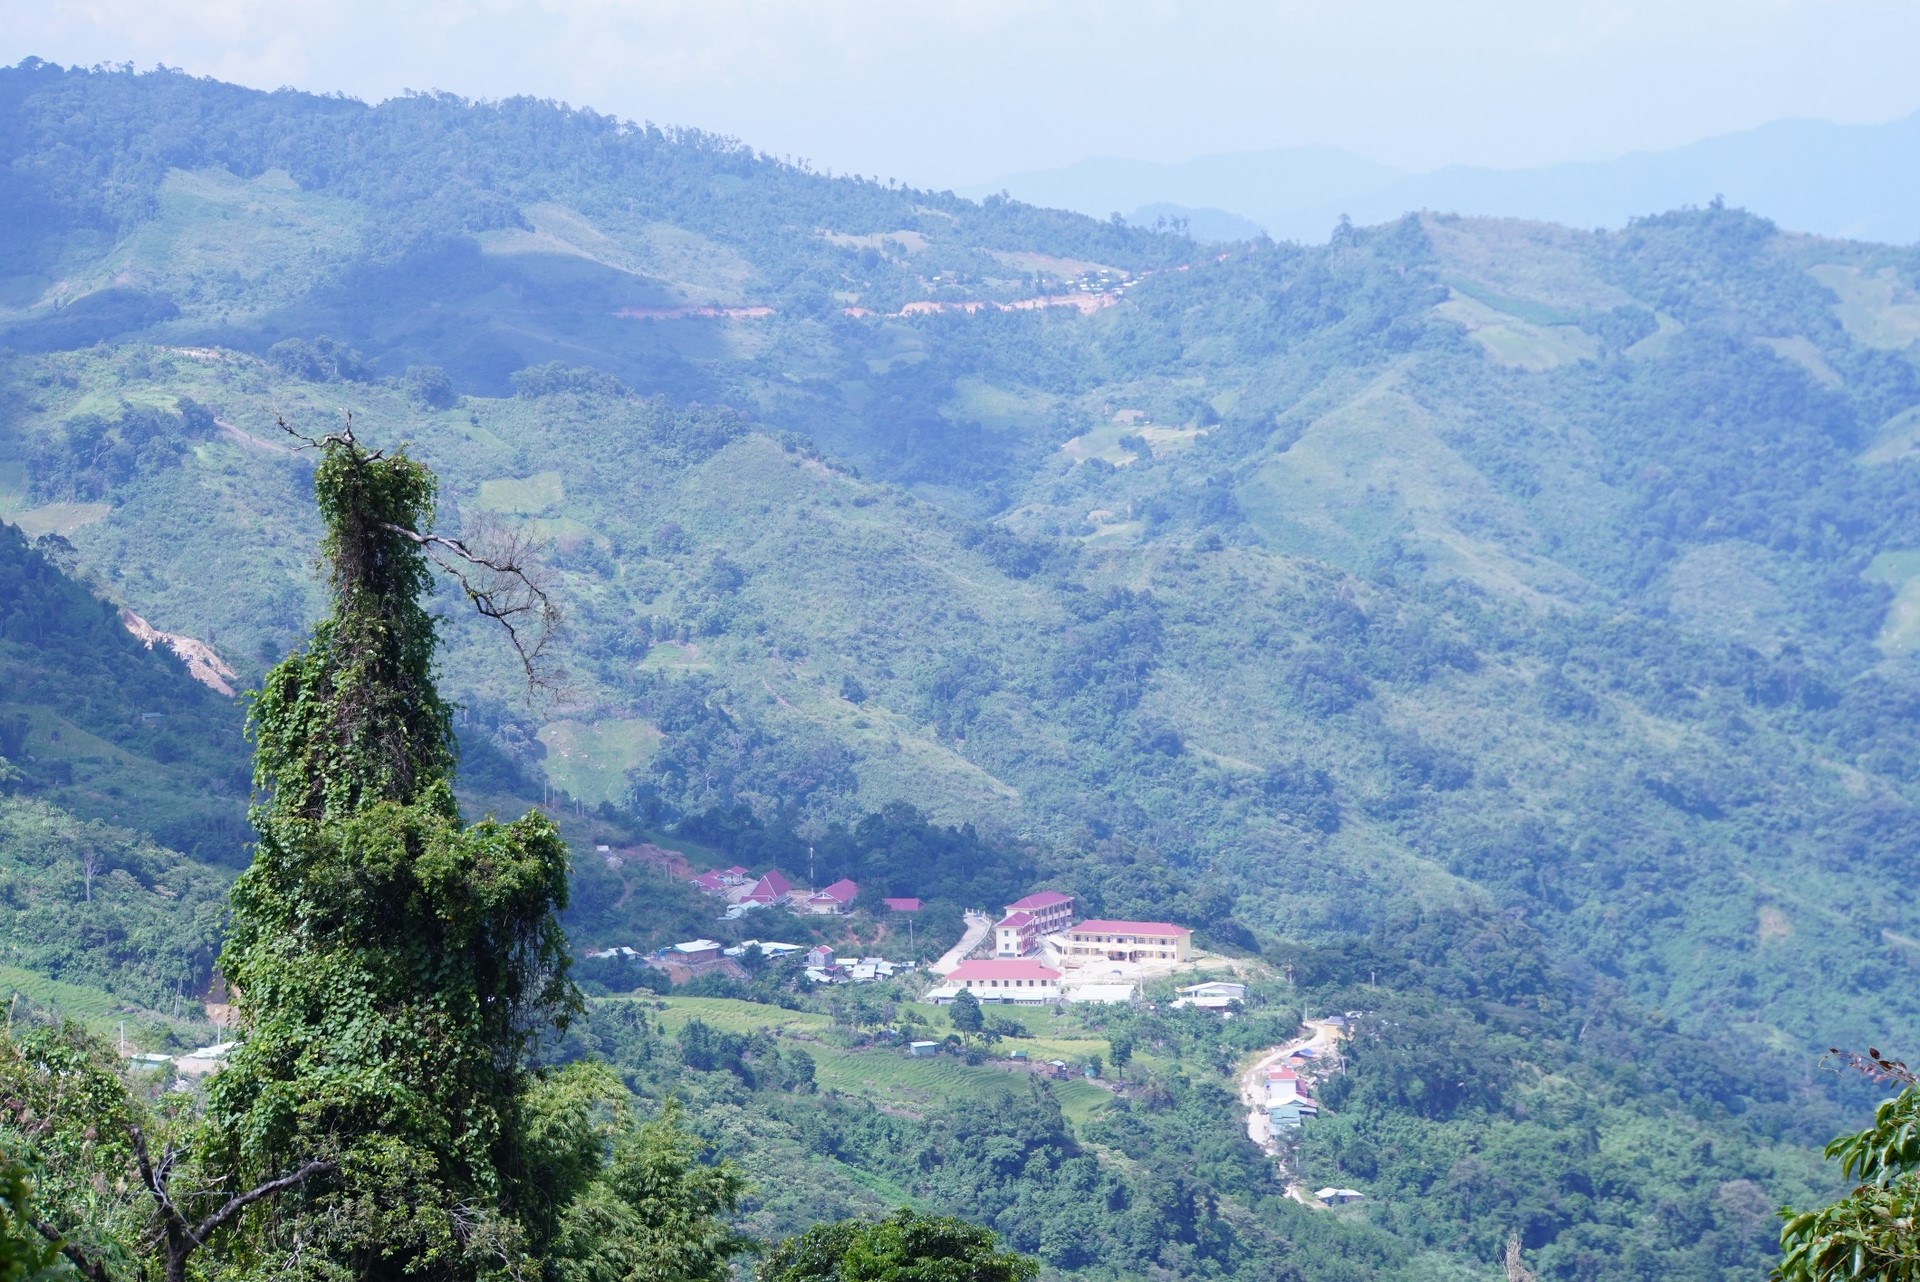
(1458, 581)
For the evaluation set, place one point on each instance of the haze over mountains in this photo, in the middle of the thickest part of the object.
(1851, 181)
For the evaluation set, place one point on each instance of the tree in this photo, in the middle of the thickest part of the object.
(655, 1214)
(965, 1012)
(1120, 1051)
(904, 1247)
(26, 1253)
(1873, 1232)
(394, 967)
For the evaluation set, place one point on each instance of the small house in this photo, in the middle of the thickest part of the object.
(923, 1050)
(1338, 1197)
(770, 889)
(695, 950)
(903, 905)
(834, 900)
(819, 957)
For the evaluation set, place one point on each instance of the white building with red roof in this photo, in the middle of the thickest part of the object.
(770, 889)
(1051, 910)
(835, 899)
(999, 980)
(1128, 941)
(1015, 935)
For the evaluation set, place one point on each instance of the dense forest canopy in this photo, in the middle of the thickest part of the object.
(1503, 626)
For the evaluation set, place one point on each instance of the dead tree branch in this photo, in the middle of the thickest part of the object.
(182, 1238)
(89, 1267)
(501, 579)
(496, 567)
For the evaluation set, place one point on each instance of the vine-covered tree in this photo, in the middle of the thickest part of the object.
(394, 967)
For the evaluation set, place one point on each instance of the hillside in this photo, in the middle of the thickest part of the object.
(1518, 619)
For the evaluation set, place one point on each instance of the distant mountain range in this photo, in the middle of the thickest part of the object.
(1856, 181)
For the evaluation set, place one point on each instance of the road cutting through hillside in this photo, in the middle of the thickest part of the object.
(1324, 1039)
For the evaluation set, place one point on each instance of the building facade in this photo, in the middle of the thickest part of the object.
(1050, 909)
(1015, 935)
(996, 980)
(1128, 941)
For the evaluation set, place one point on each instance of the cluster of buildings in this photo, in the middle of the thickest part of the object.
(1047, 917)
(1287, 1102)
(1037, 936)
(824, 968)
(745, 892)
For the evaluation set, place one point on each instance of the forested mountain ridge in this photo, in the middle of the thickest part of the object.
(1517, 617)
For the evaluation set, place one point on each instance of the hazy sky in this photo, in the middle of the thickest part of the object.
(948, 93)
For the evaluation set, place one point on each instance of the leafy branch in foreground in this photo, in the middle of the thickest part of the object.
(1873, 1232)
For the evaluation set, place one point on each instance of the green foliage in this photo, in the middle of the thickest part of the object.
(94, 722)
(904, 1247)
(26, 1255)
(656, 1213)
(1873, 1232)
(394, 967)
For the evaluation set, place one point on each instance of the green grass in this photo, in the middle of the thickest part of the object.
(734, 1016)
(524, 496)
(1877, 310)
(1519, 343)
(590, 759)
(59, 518)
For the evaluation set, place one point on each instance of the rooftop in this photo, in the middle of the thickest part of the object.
(1014, 921)
(840, 892)
(988, 968)
(902, 905)
(1101, 926)
(1040, 899)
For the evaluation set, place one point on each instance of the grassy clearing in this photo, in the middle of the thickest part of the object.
(590, 759)
(524, 496)
(1518, 343)
(60, 518)
(1895, 438)
(1900, 631)
(1878, 310)
(734, 1016)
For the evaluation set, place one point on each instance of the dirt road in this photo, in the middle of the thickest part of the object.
(978, 924)
(1322, 1036)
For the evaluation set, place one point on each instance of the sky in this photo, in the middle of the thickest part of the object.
(952, 93)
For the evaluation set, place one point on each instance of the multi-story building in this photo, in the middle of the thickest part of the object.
(1128, 941)
(1015, 935)
(1050, 909)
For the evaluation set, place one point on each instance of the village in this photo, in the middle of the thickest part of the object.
(1035, 954)
(1038, 952)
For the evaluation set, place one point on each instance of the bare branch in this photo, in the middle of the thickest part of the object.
(498, 573)
(156, 1183)
(91, 1268)
(240, 1201)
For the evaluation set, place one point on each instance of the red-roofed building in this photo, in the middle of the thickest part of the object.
(1129, 941)
(835, 899)
(1051, 910)
(998, 980)
(770, 889)
(903, 905)
(1015, 935)
(710, 883)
